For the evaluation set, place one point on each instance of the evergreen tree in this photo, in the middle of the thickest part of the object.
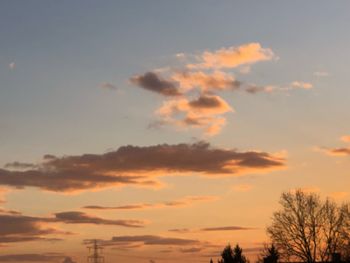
(269, 254)
(235, 255)
(238, 256)
(227, 255)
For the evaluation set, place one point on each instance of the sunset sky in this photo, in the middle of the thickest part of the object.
(166, 129)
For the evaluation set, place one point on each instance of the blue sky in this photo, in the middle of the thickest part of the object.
(55, 55)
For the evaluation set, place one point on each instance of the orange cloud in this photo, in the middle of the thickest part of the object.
(205, 82)
(301, 85)
(207, 78)
(202, 112)
(342, 151)
(345, 138)
(233, 56)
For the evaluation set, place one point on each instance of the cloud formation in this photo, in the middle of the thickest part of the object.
(153, 82)
(20, 165)
(12, 212)
(21, 228)
(200, 83)
(195, 102)
(337, 151)
(206, 82)
(233, 57)
(45, 257)
(138, 166)
(345, 138)
(226, 228)
(341, 151)
(210, 229)
(75, 217)
(186, 201)
(147, 240)
(203, 112)
(301, 85)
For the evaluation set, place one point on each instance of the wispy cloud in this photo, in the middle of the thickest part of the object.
(107, 85)
(45, 257)
(186, 201)
(301, 85)
(321, 74)
(233, 56)
(20, 166)
(75, 217)
(180, 230)
(210, 229)
(345, 138)
(337, 151)
(147, 240)
(226, 228)
(341, 151)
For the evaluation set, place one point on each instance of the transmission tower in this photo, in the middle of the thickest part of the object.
(95, 251)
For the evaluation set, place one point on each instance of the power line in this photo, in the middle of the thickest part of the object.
(95, 252)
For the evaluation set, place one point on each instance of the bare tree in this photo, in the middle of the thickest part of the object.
(309, 229)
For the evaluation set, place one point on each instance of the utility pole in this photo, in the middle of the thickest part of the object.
(95, 250)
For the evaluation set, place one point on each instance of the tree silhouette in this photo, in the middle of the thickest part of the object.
(235, 255)
(227, 255)
(269, 254)
(309, 229)
(238, 256)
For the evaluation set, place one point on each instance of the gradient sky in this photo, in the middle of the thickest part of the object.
(223, 105)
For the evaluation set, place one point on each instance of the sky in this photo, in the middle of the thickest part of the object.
(166, 129)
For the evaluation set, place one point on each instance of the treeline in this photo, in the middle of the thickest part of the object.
(269, 254)
(306, 228)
